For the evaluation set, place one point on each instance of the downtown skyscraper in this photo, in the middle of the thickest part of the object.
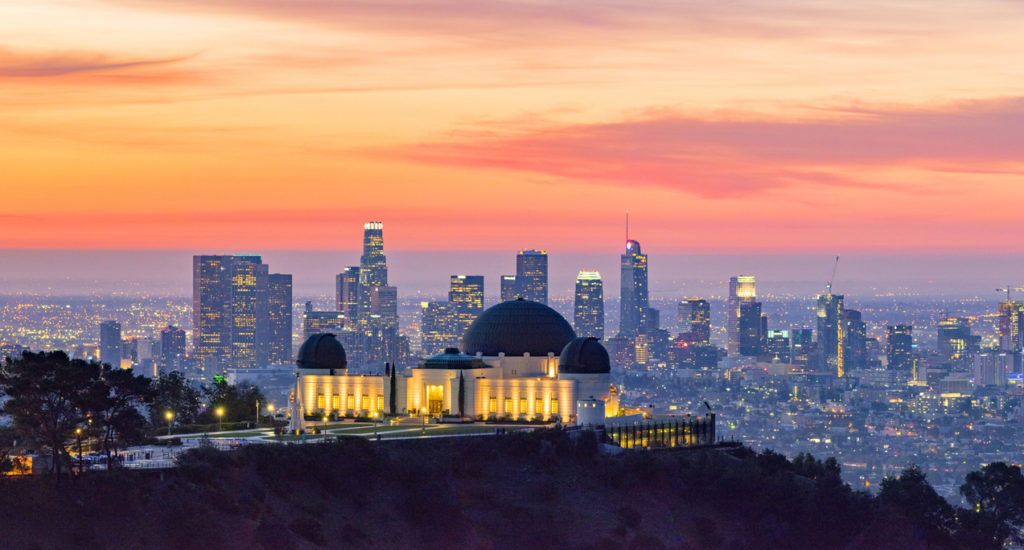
(110, 343)
(633, 295)
(466, 294)
(694, 320)
(588, 305)
(279, 319)
(831, 333)
(532, 275)
(231, 318)
(742, 288)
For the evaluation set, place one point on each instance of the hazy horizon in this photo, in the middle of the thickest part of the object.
(169, 272)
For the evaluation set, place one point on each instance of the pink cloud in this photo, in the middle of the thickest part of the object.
(732, 157)
(24, 65)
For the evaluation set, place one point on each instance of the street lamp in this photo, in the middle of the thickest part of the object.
(325, 427)
(220, 417)
(169, 416)
(78, 433)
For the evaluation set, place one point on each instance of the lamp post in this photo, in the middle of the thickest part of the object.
(78, 433)
(257, 413)
(220, 418)
(270, 409)
(170, 417)
(325, 427)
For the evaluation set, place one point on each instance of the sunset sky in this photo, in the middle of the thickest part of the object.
(723, 126)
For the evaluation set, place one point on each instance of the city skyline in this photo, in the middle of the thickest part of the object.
(789, 126)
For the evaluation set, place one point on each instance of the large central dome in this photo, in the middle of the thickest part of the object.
(518, 327)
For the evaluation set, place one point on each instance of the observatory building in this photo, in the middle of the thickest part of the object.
(519, 359)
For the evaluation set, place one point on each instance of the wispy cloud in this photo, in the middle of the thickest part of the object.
(14, 64)
(723, 158)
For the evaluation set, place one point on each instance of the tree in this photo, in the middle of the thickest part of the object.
(174, 393)
(996, 493)
(462, 394)
(916, 498)
(238, 402)
(48, 396)
(120, 420)
(392, 398)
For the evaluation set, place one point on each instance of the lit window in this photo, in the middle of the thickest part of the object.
(538, 406)
(554, 406)
(365, 403)
(508, 405)
(493, 405)
(335, 401)
(380, 402)
(321, 401)
(350, 401)
(522, 404)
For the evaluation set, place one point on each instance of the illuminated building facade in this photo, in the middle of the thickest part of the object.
(466, 295)
(231, 319)
(633, 295)
(279, 319)
(532, 275)
(899, 348)
(802, 346)
(172, 350)
(314, 322)
(830, 333)
(855, 336)
(588, 305)
(778, 346)
(110, 343)
(955, 341)
(521, 360)
(347, 292)
(509, 290)
(438, 327)
(373, 269)
(694, 320)
(750, 329)
(742, 288)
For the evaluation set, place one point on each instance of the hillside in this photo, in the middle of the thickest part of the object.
(538, 490)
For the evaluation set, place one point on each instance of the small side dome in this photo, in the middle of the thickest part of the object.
(584, 356)
(452, 359)
(322, 351)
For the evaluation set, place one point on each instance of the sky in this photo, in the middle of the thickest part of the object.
(724, 127)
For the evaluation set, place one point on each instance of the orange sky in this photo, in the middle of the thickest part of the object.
(722, 126)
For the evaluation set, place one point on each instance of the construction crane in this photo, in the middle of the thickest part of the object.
(828, 285)
(1007, 290)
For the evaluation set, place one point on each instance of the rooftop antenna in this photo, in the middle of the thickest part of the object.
(627, 226)
(828, 286)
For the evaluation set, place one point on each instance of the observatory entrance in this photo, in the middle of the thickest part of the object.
(435, 399)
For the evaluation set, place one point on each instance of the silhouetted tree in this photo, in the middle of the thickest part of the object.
(120, 420)
(916, 498)
(174, 393)
(49, 395)
(462, 394)
(997, 494)
(238, 402)
(393, 398)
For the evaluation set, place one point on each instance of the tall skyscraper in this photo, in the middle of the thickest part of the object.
(110, 343)
(279, 319)
(801, 345)
(777, 346)
(588, 306)
(532, 275)
(347, 291)
(438, 326)
(373, 269)
(230, 296)
(742, 288)
(750, 329)
(955, 339)
(466, 294)
(509, 289)
(633, 296)
(855, 336)
(172, 350)
(830, 333)
(899, 349)
(694, 320)
(1011, 319)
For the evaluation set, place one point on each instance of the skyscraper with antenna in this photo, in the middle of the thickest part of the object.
(633, 294)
